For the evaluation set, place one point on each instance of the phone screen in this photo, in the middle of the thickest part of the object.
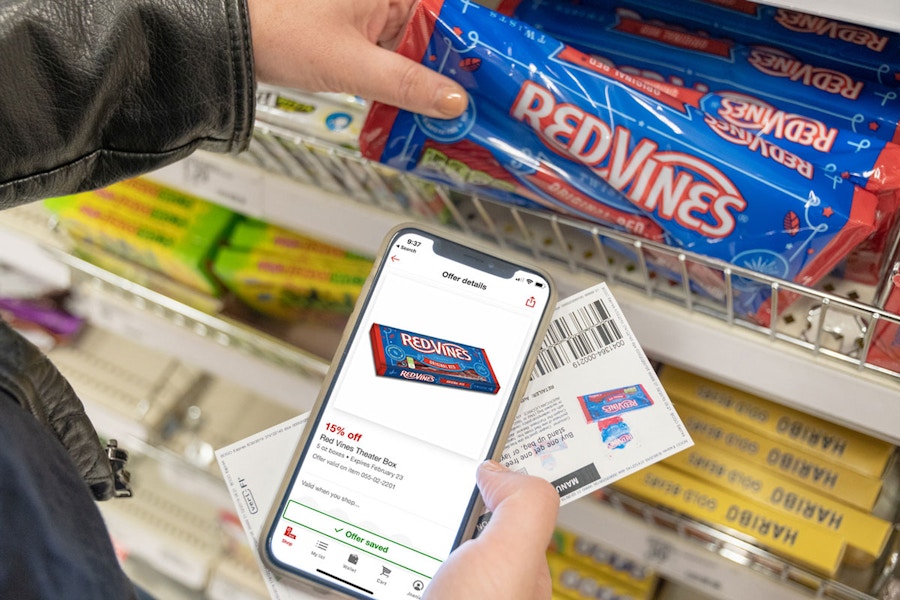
(386, 480)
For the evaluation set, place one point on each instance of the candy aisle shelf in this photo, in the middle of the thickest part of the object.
(189, 355)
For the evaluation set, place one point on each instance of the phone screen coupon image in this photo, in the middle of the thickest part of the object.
(417, 357)
(387, 477)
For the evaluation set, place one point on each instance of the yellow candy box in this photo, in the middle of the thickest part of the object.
(837, 444)
(812, 471)
(859, 529)
(792, 538)
(284, 287)
(177, 246)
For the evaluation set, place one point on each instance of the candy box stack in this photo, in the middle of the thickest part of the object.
(155, 227)
(761, 466)
(285, 275)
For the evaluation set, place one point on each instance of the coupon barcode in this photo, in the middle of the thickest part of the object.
(585, 330)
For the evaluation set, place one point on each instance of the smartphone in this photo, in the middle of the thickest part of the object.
(423, 388)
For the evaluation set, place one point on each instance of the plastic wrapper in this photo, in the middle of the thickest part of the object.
(550, 127)
(864, 52)
(885, 350)
(823, 115)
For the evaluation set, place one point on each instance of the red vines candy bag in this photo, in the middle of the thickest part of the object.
(885, 350)
(548, 126)
(849, 127)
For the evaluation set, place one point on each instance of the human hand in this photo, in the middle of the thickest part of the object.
(346, 46)
(508, 560)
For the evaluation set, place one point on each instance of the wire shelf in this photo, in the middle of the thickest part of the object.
(837, 320)
(743, 553)
(220, 330)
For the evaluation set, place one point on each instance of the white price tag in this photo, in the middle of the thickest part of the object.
(231, 186)
(220, 180)
(111, 316)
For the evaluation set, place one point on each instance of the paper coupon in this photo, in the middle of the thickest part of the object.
(253, 469)
(594, 410)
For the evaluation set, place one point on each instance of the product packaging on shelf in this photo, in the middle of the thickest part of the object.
(164, 198)
(606, 562)
(845, 447)
(861, 51)
(785, 535)
(285, 286)
(550, 127)
(868, 261)
(152, 234)
(861, 531)
(844, 126)
(336, 118)
(252, 234)
(847, 128)
(284, 274)
(820, 474)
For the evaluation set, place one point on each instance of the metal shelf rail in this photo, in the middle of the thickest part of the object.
(707, 558)
(577, 246)
(814, 356)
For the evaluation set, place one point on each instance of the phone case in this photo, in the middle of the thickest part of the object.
(340, 355)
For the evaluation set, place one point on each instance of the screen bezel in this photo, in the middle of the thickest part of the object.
(461, 251)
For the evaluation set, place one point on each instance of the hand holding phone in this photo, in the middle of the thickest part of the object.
(423, 389)
(523, 515)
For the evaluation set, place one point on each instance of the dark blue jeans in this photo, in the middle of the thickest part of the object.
(53, 541)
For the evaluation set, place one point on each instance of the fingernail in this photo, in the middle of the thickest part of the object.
(492, 465)
(451, 102)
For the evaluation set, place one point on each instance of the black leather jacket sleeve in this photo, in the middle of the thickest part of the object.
(28, 378)
(92, 91)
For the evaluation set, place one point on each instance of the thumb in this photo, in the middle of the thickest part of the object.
(523, 507)
(507, 561)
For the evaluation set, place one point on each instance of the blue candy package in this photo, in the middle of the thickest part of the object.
(413, 356)
(548, 126)
(847, 126)
(863, 52)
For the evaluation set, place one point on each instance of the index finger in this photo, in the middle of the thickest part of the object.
(378, 74)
